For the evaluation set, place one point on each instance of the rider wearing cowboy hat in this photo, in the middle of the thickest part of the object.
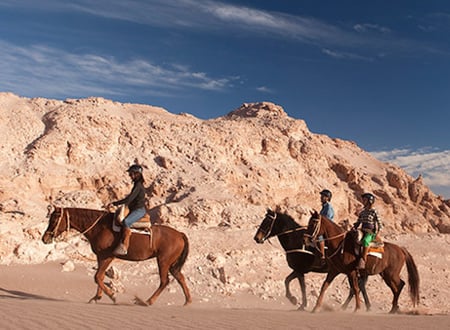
(371, 225)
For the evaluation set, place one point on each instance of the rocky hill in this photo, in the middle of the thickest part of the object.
(200, 173)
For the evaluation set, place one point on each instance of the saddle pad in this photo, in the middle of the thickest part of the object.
(376, 254)
(379, 249)
(144, 228)
(141, 225)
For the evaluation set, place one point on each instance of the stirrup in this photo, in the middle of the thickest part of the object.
(120, 250)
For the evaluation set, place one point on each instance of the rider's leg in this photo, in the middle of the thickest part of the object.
(368, 237)
(122, 248)
(322, 249)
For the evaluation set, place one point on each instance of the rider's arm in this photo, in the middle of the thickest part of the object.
(134, 193)
(379, 223)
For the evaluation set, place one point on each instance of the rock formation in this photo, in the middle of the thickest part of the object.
(205, 173)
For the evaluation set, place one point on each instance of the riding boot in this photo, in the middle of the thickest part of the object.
(322, 252)
(122, 248)
(363, 259)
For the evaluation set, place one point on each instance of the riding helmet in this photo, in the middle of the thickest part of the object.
(327, 193)
(369, 196)
(135, 168)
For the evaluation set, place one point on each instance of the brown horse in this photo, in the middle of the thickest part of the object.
(169, 246)
(301, 258)
(342, 259)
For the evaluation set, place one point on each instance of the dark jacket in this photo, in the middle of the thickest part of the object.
(136, 199)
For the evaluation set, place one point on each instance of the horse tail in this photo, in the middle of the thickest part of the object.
(413, 277)
(178, 264)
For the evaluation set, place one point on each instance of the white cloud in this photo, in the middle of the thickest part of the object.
(433, 165)
(223, 17)
(264, 89)
(371, 27)
(345, 55)
(44, 71)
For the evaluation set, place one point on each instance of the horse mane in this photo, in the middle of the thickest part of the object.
(289, 220)
(86, 213)
(337, 225)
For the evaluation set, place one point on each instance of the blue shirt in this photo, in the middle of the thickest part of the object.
(327, 210)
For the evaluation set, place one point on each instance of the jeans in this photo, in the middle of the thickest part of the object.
(133, 216)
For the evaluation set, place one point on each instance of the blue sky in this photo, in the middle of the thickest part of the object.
(374, 72)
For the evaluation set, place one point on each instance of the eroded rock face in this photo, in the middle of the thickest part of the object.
(220, 172)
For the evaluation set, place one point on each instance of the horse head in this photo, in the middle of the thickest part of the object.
(265, 228)
(56, 225)
(314, 224)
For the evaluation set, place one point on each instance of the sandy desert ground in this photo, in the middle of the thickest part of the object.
(53, 295)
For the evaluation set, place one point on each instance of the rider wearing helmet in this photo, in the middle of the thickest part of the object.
(328, 211)
(370, 223)
(136, 205)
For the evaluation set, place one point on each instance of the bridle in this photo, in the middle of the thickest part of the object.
(317, 229)
(58, 223)
(54, 232)
(315, 233)
(267, 234)
(317, 224)
(274, 218)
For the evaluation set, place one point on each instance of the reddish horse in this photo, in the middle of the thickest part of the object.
(342, 259)
(169, 246)
(301, 259)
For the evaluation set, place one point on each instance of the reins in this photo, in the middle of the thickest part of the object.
(289, 231)
(316, 232)
(266, 235)
(55, 230)
(93, 225)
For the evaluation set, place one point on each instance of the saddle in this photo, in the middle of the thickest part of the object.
(376, 247)
(122, 211)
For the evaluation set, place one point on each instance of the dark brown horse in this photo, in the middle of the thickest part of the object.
(169, 246)
(301, 259)
(342, 259)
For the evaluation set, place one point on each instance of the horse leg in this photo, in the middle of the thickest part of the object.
(330, 277)
(287, 282)
(163, 280)
(362, 287)
(301, 280)
(351, 293)
(354, 284)
(102, 266)
(181, 280)
(396, 284)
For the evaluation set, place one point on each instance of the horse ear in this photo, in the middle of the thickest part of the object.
(50, 209)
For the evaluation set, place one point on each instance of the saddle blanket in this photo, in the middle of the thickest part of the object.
(146, 231)
(379, 255)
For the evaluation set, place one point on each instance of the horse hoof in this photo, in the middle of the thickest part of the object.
(138, 301)
(94, 299)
